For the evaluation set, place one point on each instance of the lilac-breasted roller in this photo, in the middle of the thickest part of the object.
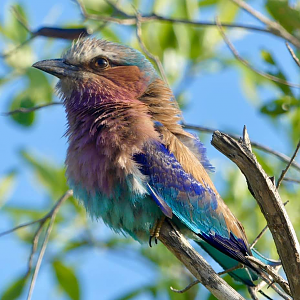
(130, 162)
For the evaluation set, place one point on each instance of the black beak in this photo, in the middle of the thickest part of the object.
(57, 67)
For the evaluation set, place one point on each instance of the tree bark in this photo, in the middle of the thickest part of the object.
(270, 203)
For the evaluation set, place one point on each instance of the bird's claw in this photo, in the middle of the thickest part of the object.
(154, 232)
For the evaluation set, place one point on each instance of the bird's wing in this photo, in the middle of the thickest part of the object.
(195, 204)
(197, 148)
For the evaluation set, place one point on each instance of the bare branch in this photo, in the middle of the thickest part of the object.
(272, 26)
(181, 248)
(288, 166)
(247, 64)
(30, 109)
(256, 145)
(270, 204)
(296, 59)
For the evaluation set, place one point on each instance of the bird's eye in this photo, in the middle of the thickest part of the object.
(101, 63)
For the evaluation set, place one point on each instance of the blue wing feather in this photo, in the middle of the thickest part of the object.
(192, 203)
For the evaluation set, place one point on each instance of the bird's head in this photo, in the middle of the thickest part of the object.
(95, 69)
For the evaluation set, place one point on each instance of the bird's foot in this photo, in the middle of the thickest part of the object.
(155, 230)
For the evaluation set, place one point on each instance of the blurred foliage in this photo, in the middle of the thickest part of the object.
(183, 50)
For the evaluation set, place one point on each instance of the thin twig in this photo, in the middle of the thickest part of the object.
(14, 50)
(296, 59)
(34, 246)
(20, 18)
(239, 266)
(277, 278)
(291, 179)
(272, 26)
(262, 232)
(247, 64)
(21, 226)
(186, 288)
(146, 51)
(151, 56)
(30, 109)
(288, 166)
(129, 20)
(52, 214)
(41, 220)
(256, 145)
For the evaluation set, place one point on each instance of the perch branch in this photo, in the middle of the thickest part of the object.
(181, 248)
(239, 266)
(268, 198)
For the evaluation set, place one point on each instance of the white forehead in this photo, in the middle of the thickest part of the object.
(86, 49)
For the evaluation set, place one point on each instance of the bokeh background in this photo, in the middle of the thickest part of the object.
(84, 259)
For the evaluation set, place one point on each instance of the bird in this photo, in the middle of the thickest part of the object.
(129, 160)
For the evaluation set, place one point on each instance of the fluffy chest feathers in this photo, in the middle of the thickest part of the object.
(102, 140)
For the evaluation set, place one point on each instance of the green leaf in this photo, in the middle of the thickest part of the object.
(67, 279)
(75, 245)
(267, 57)
(279, 106)
(203, 3)
(133, 294)
(14, 290)
(287, 16)
(50, 176)
(13, 29)
(23, 100)
(39, 87)
(6, 186)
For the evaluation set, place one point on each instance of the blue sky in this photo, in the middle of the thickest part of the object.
(217, 100)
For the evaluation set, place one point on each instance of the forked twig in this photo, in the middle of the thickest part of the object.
(52, 215)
